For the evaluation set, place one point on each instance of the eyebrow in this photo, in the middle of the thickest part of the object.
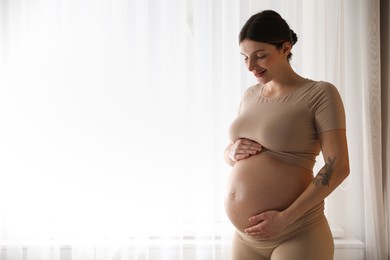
(254, 52)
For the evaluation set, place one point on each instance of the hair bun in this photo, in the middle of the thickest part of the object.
(268, 27)
(294, 37)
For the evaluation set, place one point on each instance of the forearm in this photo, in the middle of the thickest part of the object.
(331, 175)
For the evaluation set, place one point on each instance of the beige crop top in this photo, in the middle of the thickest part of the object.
(288, 127)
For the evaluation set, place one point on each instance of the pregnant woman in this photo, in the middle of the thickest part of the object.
(274, 200)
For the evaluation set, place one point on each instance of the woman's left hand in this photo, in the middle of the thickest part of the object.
(267, 224)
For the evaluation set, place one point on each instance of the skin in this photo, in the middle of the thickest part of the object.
(270, 66)
(259, 183)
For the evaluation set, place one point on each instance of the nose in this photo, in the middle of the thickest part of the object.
(251, 65)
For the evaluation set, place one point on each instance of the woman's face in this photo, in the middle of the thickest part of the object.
(264, 60)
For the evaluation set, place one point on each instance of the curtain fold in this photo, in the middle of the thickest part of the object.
(385, 83)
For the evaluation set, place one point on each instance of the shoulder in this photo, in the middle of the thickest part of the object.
(252, 93)
(252, 90)
(326, 105)
(320, 86)
(323, 86)
(323, 90)
(249, 97)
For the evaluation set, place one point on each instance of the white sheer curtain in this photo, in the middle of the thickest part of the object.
(376, 237)
(113, 120)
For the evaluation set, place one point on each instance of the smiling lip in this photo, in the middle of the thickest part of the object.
(260, 74)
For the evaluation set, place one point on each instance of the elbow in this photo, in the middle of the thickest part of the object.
(344, 171)
(227, 158)
(229, 162)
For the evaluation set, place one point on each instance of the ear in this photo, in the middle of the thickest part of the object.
(286, 48)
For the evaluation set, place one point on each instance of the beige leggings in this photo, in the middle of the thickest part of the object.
(309, 238)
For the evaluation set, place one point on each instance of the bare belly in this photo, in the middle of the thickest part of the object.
(262, 183)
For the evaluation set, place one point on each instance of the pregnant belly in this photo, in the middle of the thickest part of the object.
(262, 183)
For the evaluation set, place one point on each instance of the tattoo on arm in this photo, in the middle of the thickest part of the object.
(325, 173)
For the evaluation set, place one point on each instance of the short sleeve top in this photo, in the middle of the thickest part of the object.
(288, 127)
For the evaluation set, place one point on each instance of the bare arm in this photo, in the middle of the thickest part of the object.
(332, 174)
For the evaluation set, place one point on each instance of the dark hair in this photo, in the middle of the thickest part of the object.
(269, 27)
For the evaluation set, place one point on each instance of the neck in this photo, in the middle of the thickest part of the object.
(283, 84)
(287, 79)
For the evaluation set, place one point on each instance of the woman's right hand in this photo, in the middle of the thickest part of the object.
(243, 148)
